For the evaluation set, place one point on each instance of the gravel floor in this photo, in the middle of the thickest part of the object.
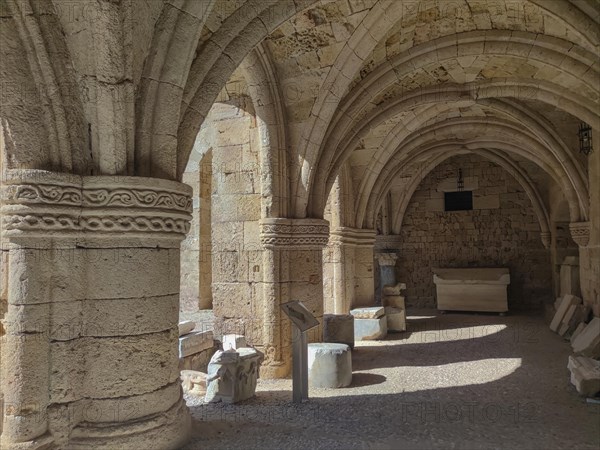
(452, 381)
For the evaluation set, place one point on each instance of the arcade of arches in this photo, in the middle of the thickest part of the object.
(234, 155)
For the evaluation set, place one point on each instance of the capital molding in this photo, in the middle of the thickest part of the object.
(36, 203)
(298, 233)
(580, 232)
(352, 236)
(387, 259)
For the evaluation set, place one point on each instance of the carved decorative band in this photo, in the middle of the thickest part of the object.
(306, 233)
(580, 232)
(352, 236)
(38, 201)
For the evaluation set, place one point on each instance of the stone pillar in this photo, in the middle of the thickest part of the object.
(350, 253)
(588, 265)
(293, 270)
(387, 272)
(91, 266)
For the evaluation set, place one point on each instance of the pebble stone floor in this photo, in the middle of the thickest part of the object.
(460, 381)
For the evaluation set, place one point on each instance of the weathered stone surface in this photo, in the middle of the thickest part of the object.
(396, 319)
(587, 342)
(370, 329)
(373, 312)
(186, 327)
(565, 304)
(233, 341)
(585, 375)
(472, 289)
(395, 290)
(569, 276)
(329, 365)
(232, 375)
(193, 382)
(395, 301)
(339, 328)
(195, 342)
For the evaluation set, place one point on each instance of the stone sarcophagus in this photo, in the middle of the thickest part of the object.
(472, 289)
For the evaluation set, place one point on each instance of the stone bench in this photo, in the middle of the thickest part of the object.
(329, 365)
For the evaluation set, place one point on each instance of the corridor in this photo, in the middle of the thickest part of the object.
(451, 381)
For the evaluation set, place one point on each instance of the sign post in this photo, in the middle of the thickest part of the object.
(302, 321)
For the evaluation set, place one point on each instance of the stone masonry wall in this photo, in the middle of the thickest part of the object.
(501, 231)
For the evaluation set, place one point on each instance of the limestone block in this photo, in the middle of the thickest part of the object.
(396, 319)
(395, 301)
(564, 324)
(585, 375)
(193, 382)
(232, 375)
(578, 330)
(566, 302)
(195, 343)
(394, 290)
(370, 329)
(186, 326)
(339, 328)
(233, 341)
(587, 342)
(472, 289)
(368, 313)
(329, 365)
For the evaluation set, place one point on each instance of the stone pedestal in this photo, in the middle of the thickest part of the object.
(339, 328)
(369, 323)
(232, 375)
(329, 365)
(90, 270)
(395, 308)
(387, 272)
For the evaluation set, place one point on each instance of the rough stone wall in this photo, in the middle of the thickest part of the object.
(237, 271)
(501, 230)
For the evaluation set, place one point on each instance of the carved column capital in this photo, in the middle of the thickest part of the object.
(352, 236)
(546, 238)
(37, 203)
(387, 259)
(580, 232)
(297, 233)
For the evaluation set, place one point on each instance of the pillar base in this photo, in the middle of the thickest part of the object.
(170, 429)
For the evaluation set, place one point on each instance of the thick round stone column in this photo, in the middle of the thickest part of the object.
(293, 270)
(89, 358)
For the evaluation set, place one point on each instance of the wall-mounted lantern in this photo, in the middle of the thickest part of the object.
(585, 138)
(460, 182)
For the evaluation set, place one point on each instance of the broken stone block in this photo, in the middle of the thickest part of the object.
(587, 342)
(186, 326)
(339, 328)
(396, 319)
(233, 341)
(368, 313)
(578, 330)
(566, 320)
(329, 365)
(566, 302)
(232, 375)
(585, 375)
(370, 329)
(193, 382)
(395, 301)
(394, 290)
(195, 342)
